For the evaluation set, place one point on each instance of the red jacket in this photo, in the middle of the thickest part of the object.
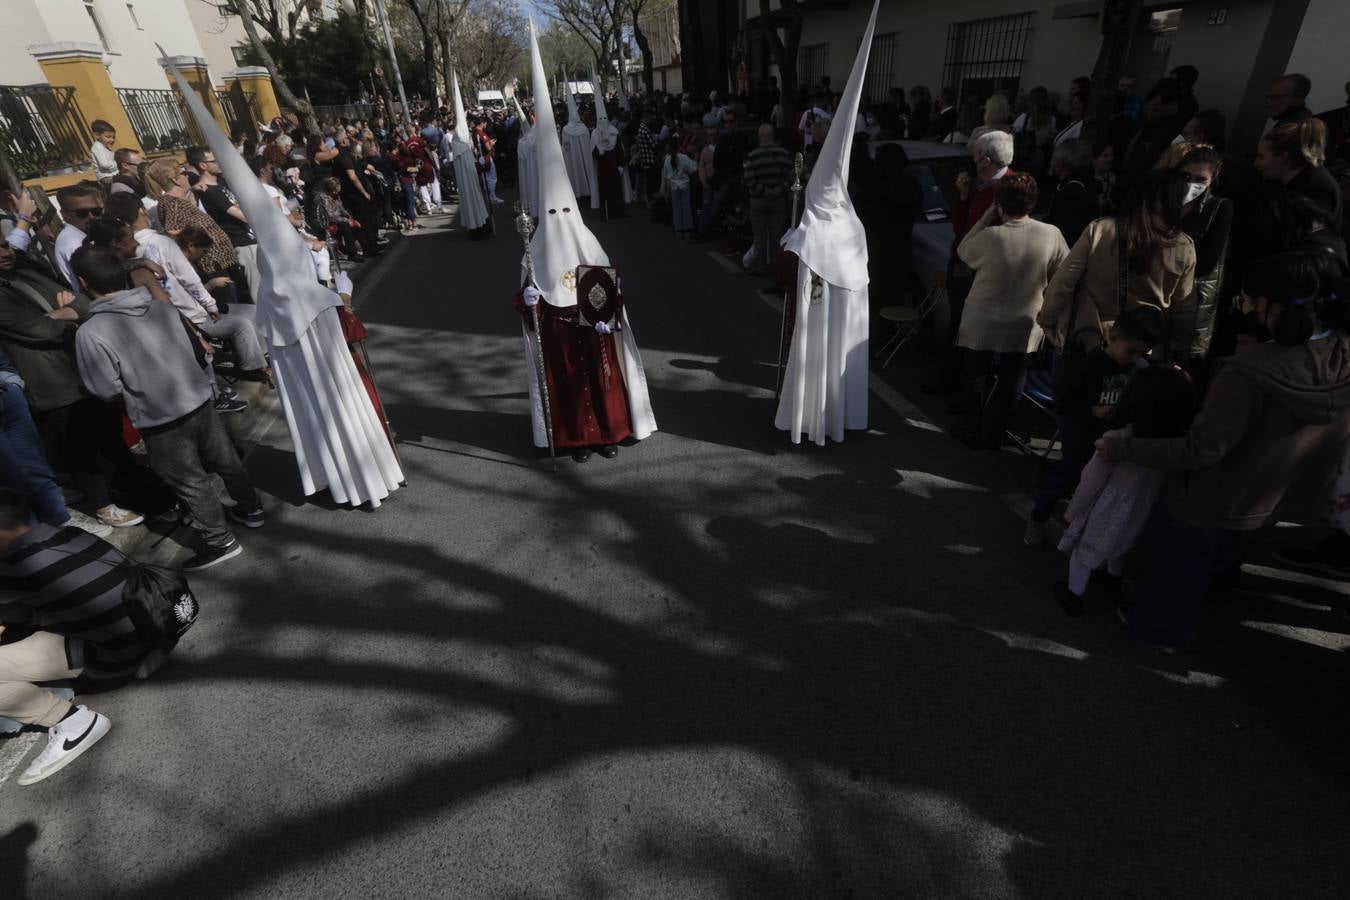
(967, 212)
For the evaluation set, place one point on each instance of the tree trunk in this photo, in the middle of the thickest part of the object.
(1120, 22)
(646, 47)
(302, 107)
(785, 55)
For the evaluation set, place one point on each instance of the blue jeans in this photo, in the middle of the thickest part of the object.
(682, 214)
(1181, 565)
(712, 205)
(23, 466)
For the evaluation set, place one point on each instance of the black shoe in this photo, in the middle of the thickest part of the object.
(609, 451)
(225, 405)
(1068, 601)
(210, 556)
(581, 456)
(251, 519)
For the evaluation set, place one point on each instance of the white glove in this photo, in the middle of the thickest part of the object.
(603, 328)
(343, 284)
(532, 296)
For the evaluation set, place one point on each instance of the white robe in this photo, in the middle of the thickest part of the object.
(577, 159)
(825, 384)
(634, 379)
(473, 211)
(340, 443)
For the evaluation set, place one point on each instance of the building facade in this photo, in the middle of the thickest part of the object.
(67, 63)
(977, 47)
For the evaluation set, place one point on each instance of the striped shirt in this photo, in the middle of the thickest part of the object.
(768, 172)
(69, 582)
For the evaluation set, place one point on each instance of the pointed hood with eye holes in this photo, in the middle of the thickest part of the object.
(830, 240)
(561, 241)
(573, 116)
(289, 297)
(461, 121)
(605, 137)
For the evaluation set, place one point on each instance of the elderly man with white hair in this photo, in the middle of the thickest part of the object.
(992, 154)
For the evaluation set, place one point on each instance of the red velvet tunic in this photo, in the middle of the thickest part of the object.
(589, 407)
(611, 182)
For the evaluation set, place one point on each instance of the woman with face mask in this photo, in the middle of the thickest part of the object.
(1266, 447)
(1208, 221)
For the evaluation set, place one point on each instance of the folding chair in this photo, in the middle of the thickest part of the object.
(1039, 391)
(908, 319)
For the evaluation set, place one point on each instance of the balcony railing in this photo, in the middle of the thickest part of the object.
(160, 119)
(43, 130)
(240, 108)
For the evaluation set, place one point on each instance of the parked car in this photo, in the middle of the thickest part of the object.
(935, 166)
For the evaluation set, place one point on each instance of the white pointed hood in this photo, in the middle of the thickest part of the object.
(289, 298)
(561, 241)
(830, 240)
(520, 114)
(461, 121)
(605, 136)
(573, 116)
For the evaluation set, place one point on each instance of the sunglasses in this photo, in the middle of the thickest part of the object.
(94, 211)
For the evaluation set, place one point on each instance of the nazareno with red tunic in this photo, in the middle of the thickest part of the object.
(588, 401)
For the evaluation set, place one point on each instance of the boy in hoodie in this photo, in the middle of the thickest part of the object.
(1266, 446)
(140, 350)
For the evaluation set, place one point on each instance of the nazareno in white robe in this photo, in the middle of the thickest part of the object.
(473, 211)
(340, 443)
(577, 159)
(825, 382)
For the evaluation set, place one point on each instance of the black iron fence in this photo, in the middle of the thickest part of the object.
(240, 108)
(159, 118)
(43, 130)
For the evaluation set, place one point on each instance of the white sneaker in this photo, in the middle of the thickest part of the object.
(88, 523)
(117, 517)
(66, 740)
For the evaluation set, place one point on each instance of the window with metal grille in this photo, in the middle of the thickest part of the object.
(815, 62)
(880, 67)
(985, 56)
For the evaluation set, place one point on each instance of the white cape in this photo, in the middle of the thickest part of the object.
(473, 211)
(340, 443)
(634, 379)
(577, 159)
(825, 384)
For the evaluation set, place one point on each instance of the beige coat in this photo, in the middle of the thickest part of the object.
(1013, 263)
(1092, 270)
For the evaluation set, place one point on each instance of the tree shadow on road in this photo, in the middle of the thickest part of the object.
(906, 719)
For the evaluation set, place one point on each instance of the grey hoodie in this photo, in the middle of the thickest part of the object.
(136, 348)
(1267, 442)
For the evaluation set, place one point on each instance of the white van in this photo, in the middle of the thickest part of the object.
(491, 99)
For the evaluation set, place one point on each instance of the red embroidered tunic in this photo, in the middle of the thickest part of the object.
(587, 396)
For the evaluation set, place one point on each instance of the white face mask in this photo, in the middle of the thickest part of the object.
(1195, 191)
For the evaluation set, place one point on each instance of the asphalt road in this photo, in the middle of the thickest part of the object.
(717, 666)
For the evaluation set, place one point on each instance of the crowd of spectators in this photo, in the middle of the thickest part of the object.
(1131, 259)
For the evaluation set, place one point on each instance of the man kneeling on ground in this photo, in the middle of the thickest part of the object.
(61, 616)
